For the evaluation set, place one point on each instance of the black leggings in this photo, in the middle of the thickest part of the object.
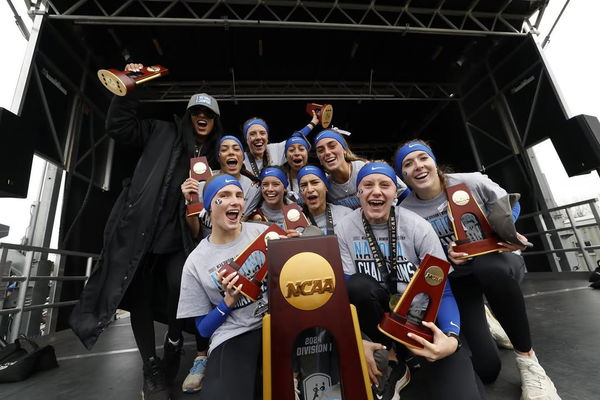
(143, 289)
(233, 369)
(449, 378)
(495, 276)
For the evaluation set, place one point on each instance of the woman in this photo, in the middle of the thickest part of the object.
(273, 182)
(381, 248)
(146, 239)
(232, 322)
(493, 275)
(313, 187)
(342, 165)
(261, 153)
(230, 155)
(296, 155)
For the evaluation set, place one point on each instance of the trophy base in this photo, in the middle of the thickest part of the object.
(480, 247)
(250, 288)
(398, 328)
(117, 83)
(194, 209)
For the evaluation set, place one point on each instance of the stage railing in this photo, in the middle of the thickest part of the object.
(33, 255)
(565, 213)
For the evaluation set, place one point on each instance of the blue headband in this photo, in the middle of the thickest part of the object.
(406, 150)
(329, 134)
(274, 172)
(216, 184)
(297, 138)
(229, 137)
(376, 168)
(311, 169)
(255, 122)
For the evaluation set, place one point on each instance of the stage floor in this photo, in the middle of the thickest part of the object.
(563, 312)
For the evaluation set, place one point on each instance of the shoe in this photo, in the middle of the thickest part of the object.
(535, 384)
(398, 379)
(172, 359)
(154, 387)
(498, 333)
(193, 382)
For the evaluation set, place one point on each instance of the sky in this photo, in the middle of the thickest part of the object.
(571, 57)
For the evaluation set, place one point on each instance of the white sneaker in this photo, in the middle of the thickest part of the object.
(498, 333)
(535, 384)
(193, 382)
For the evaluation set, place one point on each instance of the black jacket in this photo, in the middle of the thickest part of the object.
(132, 222)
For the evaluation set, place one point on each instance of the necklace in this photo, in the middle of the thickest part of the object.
(386, 269)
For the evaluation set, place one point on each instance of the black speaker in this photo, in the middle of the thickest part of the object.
(578, 144)
(16, 155)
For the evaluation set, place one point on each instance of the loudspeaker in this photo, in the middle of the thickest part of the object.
(578, 144)
(16, 154)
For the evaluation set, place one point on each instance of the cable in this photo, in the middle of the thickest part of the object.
(547, 38)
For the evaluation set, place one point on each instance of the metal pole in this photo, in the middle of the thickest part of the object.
(472, 144)
(88, 269)
(18, 317)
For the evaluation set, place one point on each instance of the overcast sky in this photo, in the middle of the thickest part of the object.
(572, 54)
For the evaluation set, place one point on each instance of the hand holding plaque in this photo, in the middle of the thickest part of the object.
(430, 279)
(324, 113)
(200, 171)
(123, 82)
(252, 263)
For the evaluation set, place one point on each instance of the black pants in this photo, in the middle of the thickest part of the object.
(495, 276)
(158, 273)
(449, 378)
(233, 369)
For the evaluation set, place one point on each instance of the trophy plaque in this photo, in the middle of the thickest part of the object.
(200, 171)
(123, 82)
(257, 216)
(308, 300)
(324, 113)
(255, 275)
(430, 279)
(472, 231)
(293, 217)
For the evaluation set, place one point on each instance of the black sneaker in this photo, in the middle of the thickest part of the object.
(171, 359)
(154, 387)
(398, 379)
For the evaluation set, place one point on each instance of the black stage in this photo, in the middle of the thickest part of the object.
(563, 313)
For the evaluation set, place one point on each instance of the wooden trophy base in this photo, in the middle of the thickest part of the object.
(194, 209)
(251, 288)
(398, 327)
(480, 247)
(293, 217)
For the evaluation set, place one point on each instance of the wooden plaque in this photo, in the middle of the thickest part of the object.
(307, 290)
(462, 204)
(123, 82)
(252, 284)
(200, 171)
(430, 279)
(257, 216)
(293, 217)
(324, 113)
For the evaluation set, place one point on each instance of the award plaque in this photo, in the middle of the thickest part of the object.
(257, 216)
(200, 171)
(324, 113)
(252, 284)
(123, 82)
(293, 217)
(308, 300)
(472, 231)
(430, 279)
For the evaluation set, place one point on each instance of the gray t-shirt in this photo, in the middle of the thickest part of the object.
(416, 239)
(200, 292)
(274, 216)
(344, 194)
(276, 153)
(337, 214)
(435, 210)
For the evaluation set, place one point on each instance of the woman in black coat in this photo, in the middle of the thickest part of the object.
(146, 240)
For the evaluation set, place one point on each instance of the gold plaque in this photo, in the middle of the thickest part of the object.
(293, 215)
(307, 281)
(153, 69)
(434, 275)
(460, 197)
(199, 168)
(326, 115)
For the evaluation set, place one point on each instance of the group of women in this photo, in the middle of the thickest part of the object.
(383, 216)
